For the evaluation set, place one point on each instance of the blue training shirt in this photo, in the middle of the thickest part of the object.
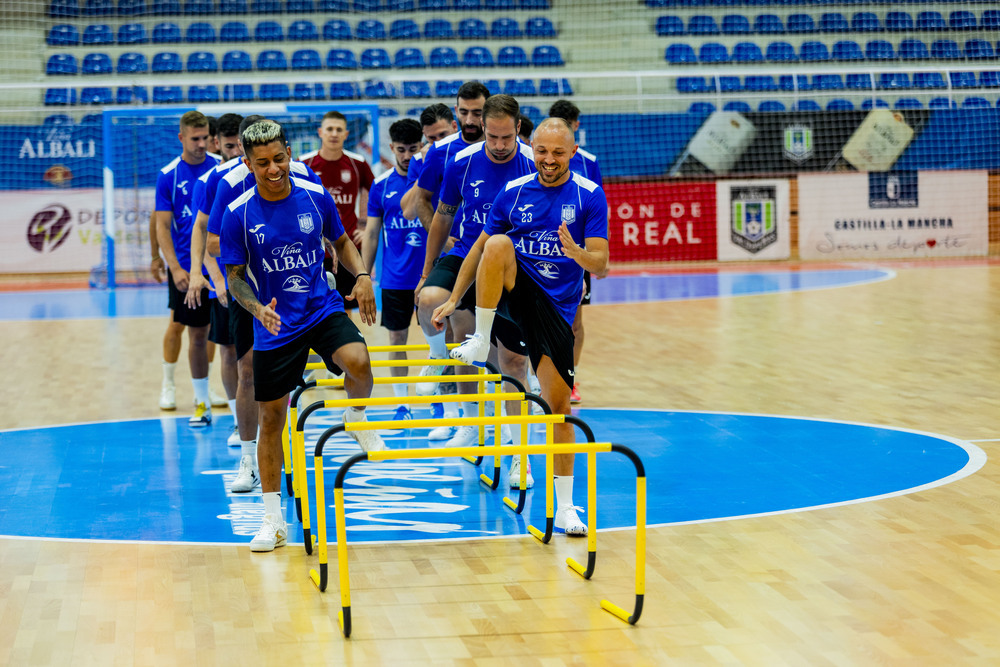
(175, 192)
(208, 185)
(530, 214)
(585, 163)
(403, 241)
(281, 244)
(240, 179)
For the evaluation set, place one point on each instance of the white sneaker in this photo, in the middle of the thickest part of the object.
(568, 522)
(515, 474)
(216, 400)
(273, 533)
(369, 441)
(168, 397)
(234, 437)
(428, 388)
(465, 436)
(247, 478)
(473, 351)
(202, 416)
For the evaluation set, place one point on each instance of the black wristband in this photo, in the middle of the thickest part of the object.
(363, 274)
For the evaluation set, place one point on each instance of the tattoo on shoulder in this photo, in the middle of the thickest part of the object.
(447, 209)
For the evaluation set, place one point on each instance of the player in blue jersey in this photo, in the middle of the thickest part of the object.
(543, 232)
(437, 122)
(273, 248)
(402, 242)
(174, 215)
(585, 164)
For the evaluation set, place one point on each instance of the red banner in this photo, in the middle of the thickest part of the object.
(661, 222)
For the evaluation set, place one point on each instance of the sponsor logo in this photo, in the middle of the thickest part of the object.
(390, 195)
(476, 184)
(296, 284)
(753, 222)
(413, 239)
(57, 175)
(306, 225)
(181, 186)
(524, 208)
(49, 228)
(895, 189)
(256, 229)
(547, 270)
(568, 214)
(798, 146)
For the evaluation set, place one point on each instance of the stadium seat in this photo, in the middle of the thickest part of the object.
(198, 8)
(928, 80)
(768, 24)
(271, 61)
(512, 56)
(416, 89)
(865, 22)
(375, 59)
(834, 22)
(64, 9)
(500, 4)
(274, 92)
(747, 52)
(520, 88)
(337, 29)
(341, 59)
(414, 112)
(131, 94)
(132, 63)
(687, 84)
(539, 26)
(533, 112)
(166, 33)
(858, 81)
(98, 33)
(300, 6)
(302, 31)
(737, 105)
(931, 21)
(963, 79)
(780, 52)
(535, 4)
(945, 49)
(438, 29)
(202, 61)
(962, 20)
(989, 79)
(701, 108)
(680, 54)
(96, 63)
(305, 92)
(979, 49)
(827, 82)
(367, 6)
(472, 29)
(558, 87)
(976, 103)
(443, 57)
(306, 59)
(847, 50)
(268, 31)
(990, 20)
(869, 104)
(771, 105)
(165, 7)
(409, 58)
(404, 29)
(400, 5)
(233, 7)
(838, 104)
(60, 96)
(477, 56)
(447, 88)
(893, 80)
(334, 6)
(493, 85)
(240, 92)
(732, 24)
(200, 32)
(792, 83)
(713, 52)
(266, 6)
(380, 90)
(167, 94)
(505, 28)
(941, 103)
(813, 51)
(669, 26)
(60, 64)
(98, 8)
(730, 84)
(879, 49)
(800, 24)
(343, 90)
(908, 103)
(370, 30)
(701, 24)
(468, 5)
(207, 93)
(913, 49)
(57, 119)
(760, 83)
(434, 5)
(237, 61)
(132, 33)
(546, 55)
(899, 22)
(806, 105)
(63, 35)
(100, 95)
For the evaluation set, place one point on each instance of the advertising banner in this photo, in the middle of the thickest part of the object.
(753, 220)
(661, 222)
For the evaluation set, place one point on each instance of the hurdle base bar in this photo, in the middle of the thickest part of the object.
(344, 620)
(545, 537)
(585, 572)
(320, 578)
(517, 507)
(307, 540)
(615, 610)
(492, 482)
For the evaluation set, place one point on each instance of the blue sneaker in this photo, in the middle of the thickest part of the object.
(437, 410)
(402, 412)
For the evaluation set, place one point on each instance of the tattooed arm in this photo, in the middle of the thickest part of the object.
(240, 290)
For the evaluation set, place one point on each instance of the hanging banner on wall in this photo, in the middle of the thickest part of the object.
(752, 220)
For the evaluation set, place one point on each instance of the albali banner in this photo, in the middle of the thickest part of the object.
(661, 222)
(753, 220)
(898, 214)
(54, 231)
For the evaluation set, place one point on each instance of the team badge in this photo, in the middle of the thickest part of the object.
(306, 223)
(753, 224)
(568, 213)
(798, 143)
(413, 239)
(547, 270)
(345, 175)
(296, 284)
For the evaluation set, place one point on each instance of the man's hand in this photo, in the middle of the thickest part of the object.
(364, 294)
(269, 317)
(222, 295)
(570, 247)
(196, 283)
(441, 313)
(181, 278)
(416, 290)
(159, 269)
(358, 236)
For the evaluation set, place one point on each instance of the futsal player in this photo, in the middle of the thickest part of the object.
(273, 248)
(544, 230)
(525, 128)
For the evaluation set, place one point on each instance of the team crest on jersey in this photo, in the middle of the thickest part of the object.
(547, 270)
(306, 223)
(296, 284)
(413, 239)
(568, 213)
(345, 175)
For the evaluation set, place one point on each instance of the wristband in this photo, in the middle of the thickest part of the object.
(362, 274)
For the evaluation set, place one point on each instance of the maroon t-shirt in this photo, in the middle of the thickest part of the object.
(343, 179)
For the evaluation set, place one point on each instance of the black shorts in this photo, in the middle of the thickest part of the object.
(277, 372)
(219, 333)
(546, 333)
(397, 309)
(444, 274)
(509, 334)
(345, 281)
(189, 317)
(240, 328)
(585, 301)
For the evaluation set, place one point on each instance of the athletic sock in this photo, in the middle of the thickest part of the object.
(232, 405)
(201, 391)
(168, 372)
(439, 346)
(272, 503)
(484, 321)
(249, 448)
(564, 490)
(400, 390)
(470, 409)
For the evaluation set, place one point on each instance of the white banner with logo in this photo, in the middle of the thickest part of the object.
(752, 219)
(57, 231)
(893, 214)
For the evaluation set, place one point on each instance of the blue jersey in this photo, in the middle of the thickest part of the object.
(585, 164)
(530, 214)
(473, 180)
(431, 171)
(281, 244)
(403, 241)
(240, 179)
(208, 185)
(174, 192)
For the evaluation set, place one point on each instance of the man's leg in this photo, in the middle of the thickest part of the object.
(248, 476)
(578, 334)
(171, 353)
(353, 359)
(398, 337)
(463, 323)
(273, 531)
(198, 362)
(497, 271)
(430, 298)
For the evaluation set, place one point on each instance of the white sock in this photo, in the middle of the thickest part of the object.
(564, 490)
(484, 321)
(272, 504)
(201, 390)
(168, 372)
(400, 390)
(354, 415)
(470, 409)
(249, 448)
(439, 346)
(450, 410)
(232, 405)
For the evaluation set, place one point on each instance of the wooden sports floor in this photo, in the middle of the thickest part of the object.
(909, 580)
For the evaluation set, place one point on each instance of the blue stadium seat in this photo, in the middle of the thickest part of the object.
(976, 103)
(876, 103)
(493, 85)
(963, 79)
(404, 29)
(913, 49)
(63, 35)
(687, 84)
(199, 7)
(64, 9)
(443, 57)
(341, 59)
(979, 49)
(792, 83)
(941, 103)
(679, 54)
(533, 112)
(557, 87)
(434, 5)
(207, 93)
(300, 6)
(132, 33)
(447, 88)
(167, 94)
(780, 52)
(771, 105)
(899, 22)
(945, 49)
(274, 92)
(858, 81)
(989, 79)
(928, 80)
(800, 24)
(512, 56)
(409, 58)
(268, 31)
(535, 4)
(732, 24)
(416, 89)
(505, 28)
(375, 59)
(98, 8)
(438, 29)
(500, 4)
(931, 21)
(737, 105)
(893, 80)
(962, 20)
(131, 94)
(334, 6)
(414, 112)
(240, 92)
(747, 52)
(367, 6)
(834, 22)
(200, 32)
(305, 92)
(132, 63)
(806, 105)
(96, 63)
(370, 30)
(669, 26)
(813, 51)
(879, 49)
(759, 83)
(271, 61)
(827, 82)
(266, 6)
(713, 52)
(98, 33)
(400, 5)
(701, 24)
(166, 33)
(302, 31)
(380, 90)
(701, 108)
(539, 26)
(847, 50)
(306, 59)
(237, 61)
(468, 5)
(546, 55)
(477, 56)
(100, 95)
(343, 90)
(908, 103)
(472, 28)
(60, 96)
(865, 22)
(337, 29)
(728, 84)
(520, 88)
(990, 20)
(236, 7)
(838, 104)
(202, 61)
(768, 24)
(60, 64)
(165, 7)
